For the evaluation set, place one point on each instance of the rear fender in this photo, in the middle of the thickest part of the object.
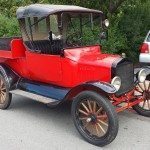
(10, 76)
(99, 87)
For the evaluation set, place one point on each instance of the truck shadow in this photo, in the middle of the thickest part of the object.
(62, 113)
(61, 118)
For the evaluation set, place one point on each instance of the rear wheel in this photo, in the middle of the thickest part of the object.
(5, 96)
(143, 91)
(95, 118)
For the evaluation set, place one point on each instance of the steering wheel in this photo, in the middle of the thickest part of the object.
(74, 40)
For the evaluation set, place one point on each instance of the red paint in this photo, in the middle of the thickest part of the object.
(126, 100)
(5, 54)
(17, 50)
(77, 66)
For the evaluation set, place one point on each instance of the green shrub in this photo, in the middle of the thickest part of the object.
(8, 27)
(134, 25)
(116, 42)
(128, 28)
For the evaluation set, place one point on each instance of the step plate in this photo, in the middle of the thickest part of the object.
(35, 97)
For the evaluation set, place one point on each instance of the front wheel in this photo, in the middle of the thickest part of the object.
(143, 91)
(95, 118)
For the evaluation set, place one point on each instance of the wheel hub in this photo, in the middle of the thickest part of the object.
(147, 95)
(93, 118)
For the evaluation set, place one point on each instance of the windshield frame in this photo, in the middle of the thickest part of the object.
(99, 16)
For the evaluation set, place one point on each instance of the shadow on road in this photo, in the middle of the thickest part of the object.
(58, 122)
(60, 116)
(45, 113)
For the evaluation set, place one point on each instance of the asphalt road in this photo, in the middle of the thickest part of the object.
(29, 125)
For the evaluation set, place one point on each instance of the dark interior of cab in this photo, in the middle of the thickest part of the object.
(45, 46)
(5, 43)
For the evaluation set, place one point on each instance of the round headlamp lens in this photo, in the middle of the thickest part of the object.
(106, 23)
(116, 82)
(142, 75)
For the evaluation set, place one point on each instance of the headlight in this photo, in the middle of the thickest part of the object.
(106, 23)
(116, 82)
(142, 75)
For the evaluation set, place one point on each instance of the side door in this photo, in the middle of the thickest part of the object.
(44, 68)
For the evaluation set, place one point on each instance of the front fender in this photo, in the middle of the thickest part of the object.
(10, 76)
(99, 87)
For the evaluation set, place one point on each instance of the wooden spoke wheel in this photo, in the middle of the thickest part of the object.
(5, 96)
(2, 92)
(143, 91)
(92, 118)
(95, 118)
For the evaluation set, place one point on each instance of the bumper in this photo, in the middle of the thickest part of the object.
(144, 58)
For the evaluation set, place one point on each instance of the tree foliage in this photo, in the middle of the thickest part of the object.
(130, 21)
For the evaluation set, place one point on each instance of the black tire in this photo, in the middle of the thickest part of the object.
(141, 111)
(5, 96)
(109, 110)
(143, 108)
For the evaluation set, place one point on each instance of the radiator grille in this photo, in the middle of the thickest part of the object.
(125, 71)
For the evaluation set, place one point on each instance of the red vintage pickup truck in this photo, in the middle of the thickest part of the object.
(59, 58)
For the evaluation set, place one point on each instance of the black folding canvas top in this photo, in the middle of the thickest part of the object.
(43, 10)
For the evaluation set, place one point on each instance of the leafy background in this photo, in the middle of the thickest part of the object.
(130, 21)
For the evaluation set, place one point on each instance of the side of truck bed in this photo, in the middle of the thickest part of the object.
(12, 48)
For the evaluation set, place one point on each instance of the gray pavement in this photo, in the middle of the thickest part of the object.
(29, 125)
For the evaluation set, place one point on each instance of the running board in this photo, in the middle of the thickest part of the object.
(35, 97)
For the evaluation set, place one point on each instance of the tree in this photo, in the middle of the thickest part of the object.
(114, 5)
(129, 20)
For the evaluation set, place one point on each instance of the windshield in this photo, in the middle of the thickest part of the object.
(59, 31)
(81, 29)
